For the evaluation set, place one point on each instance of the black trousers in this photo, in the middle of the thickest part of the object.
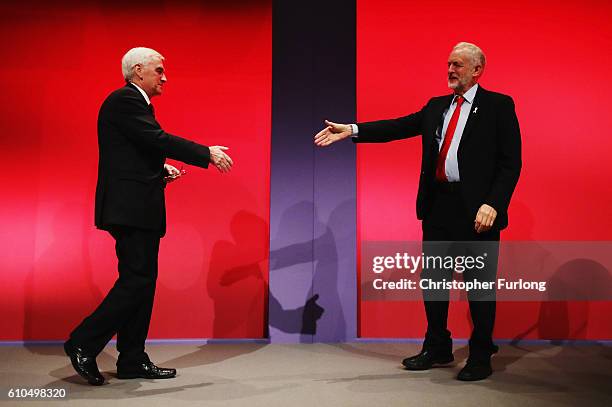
(126, 309)
(448, 230)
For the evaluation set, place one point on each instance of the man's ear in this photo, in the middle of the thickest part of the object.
(477, 71)
(138, 71)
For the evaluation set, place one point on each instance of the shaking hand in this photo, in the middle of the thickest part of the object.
(332, 133)
(219, 159)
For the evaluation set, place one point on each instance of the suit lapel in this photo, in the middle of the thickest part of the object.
(446, 101)
(439, 114)
(475, 113)
(442, 104)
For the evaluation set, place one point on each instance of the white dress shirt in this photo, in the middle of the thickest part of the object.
(452, 165)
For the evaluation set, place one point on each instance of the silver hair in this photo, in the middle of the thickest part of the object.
(136, 56)
(475, 53)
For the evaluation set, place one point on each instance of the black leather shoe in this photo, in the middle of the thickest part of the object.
(145, 370)
(84, 364)
(474, 371)
(426, 360)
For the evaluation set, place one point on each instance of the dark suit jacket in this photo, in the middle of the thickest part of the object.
(489, 155)
(132, 151)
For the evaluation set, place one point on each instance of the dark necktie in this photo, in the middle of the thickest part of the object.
(448, 138)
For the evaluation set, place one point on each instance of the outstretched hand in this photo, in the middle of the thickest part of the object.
(332, 133)
(219, 159)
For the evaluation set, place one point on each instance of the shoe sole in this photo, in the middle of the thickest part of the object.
(474, 379)
(128, 376)
(442, 363)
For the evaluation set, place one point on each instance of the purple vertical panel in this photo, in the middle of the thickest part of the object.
(334, 279)
(312, 293)
(335, 179)
(291, 178)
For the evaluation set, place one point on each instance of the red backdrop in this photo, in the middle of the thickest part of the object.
(553, 58)
(59, 63)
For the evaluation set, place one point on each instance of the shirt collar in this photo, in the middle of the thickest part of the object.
(144, 94)
(469, 95)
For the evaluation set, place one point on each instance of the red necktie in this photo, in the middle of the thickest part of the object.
(448, 137)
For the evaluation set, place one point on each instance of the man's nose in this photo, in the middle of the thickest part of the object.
(163, 78)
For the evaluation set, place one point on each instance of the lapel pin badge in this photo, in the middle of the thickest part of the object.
(475, 109)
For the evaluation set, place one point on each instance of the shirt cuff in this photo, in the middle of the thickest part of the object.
(355, 130)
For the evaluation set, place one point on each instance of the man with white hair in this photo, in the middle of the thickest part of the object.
(130, 205)
(471, 161)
